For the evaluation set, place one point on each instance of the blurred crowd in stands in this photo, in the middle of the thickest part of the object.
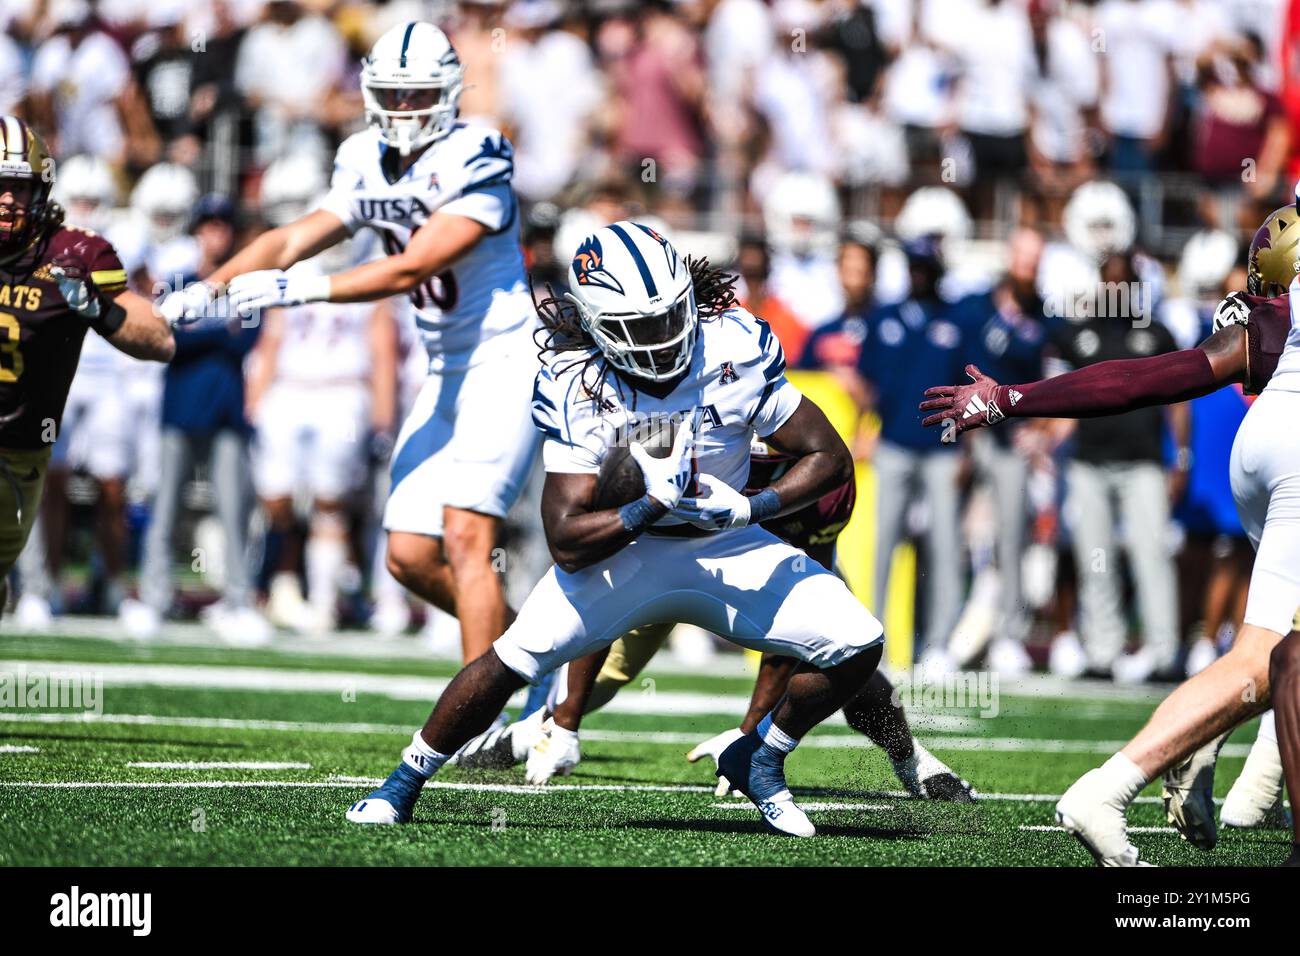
(902, 187)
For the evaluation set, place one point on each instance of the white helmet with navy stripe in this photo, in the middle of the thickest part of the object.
(635, 298)
(411, 84)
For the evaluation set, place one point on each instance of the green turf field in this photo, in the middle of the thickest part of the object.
(303, 730)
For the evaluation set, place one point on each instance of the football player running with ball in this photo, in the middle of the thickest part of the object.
(548, 739)
(1256, 342)
(56, 281)
(438, 193)
(646, 338)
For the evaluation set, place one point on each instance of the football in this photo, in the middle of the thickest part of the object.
(619, 480)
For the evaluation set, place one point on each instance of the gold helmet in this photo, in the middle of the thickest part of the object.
(1274, 258)
(27, 170)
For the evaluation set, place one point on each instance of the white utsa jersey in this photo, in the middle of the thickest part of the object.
(484, 295)
(736, 380)
(324, 342)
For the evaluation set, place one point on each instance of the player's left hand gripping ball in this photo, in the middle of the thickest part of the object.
(666, 478)
(718, 507)
(274, 288)
(981, 403)
(74, 285)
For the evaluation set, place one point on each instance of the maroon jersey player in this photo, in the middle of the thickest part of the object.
(56, 283)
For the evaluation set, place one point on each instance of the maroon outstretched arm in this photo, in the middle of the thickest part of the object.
(1107, 388)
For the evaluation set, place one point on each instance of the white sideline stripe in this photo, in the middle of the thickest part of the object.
(342, 782)
(335, 784)
(746, 805)
(397, 687)
(823, 741)
(168, 784)
(18, 749)
(218, 765)
(370, 646)
(1042, 828)
(342, 645)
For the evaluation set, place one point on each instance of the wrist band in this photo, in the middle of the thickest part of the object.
(110, 318)
(316, 289)
(641, 514)
(764, 505)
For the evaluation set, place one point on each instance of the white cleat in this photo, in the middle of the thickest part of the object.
(1008, 658)
(1135, 668)
(1188, 793)
(140, 621)
(1201, 656)
(712, 748)
(502, 745)
(1255, 799)
(33, 613)
(1067, 657)
(392, 617)
(242, 627)
(373, 810)
(555, 754)
(765, 787)
(926, 777)
(1097, 823)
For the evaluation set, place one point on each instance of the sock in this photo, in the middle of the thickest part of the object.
(556, 692)
(1124, 778)
(422, 758)
(776, 742)
(326, 555)
(272, 550)
(1267, 727)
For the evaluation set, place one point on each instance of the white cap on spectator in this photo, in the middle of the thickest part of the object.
(1207, 259)
(1099, 220)
(933, 211)
(68, 13)
(290, 186)
(531, 14)
(168, 13)
(802, 214)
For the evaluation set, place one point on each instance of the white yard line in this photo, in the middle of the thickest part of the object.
(218, 765)
(342, 782)
(356, 645)
(1035, 828)
(18, 749)
(634, 700)
(818, 741)
(810, 807)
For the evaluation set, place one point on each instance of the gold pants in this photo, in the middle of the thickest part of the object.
(628, 657)
(22, 483)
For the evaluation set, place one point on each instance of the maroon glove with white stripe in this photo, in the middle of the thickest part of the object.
(982, 403)
(1107, 388)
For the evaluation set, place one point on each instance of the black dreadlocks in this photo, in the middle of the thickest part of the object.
(562, 330)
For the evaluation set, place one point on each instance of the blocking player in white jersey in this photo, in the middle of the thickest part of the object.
(643, 338)
(438, 193)
(325, 380)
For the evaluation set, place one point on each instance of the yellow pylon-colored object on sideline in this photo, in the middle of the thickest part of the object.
(856, 550)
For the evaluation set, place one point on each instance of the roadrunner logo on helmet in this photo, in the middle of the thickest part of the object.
(635, 298)
(411, 84)
(27, 172)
